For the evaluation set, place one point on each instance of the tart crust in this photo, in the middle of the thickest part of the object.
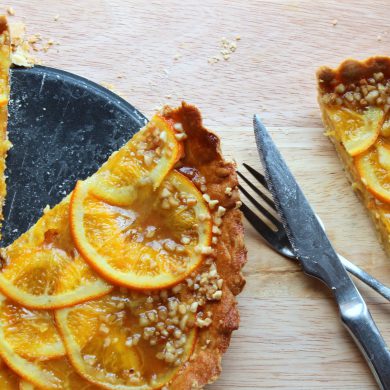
(5, 145)
(352, 72)
(203, 155)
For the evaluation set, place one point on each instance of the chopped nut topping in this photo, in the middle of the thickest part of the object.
(181, 136)
(217, 295)
(213, 203)
(221, 211)
(178, 126)
(216, 230)
(103, 328)
(373, 91)
(203, 323)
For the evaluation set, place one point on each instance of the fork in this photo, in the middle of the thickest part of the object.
(276, 237)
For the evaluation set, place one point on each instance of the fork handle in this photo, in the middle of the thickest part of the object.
(366, 278)
(357, 319)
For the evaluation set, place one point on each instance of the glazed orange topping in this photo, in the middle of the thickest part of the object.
(154, 243)
(36, 262)
(129, 339)
(357, 115)
(137, 223)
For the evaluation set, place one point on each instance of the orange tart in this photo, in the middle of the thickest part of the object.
(355, 103)
(130, 281)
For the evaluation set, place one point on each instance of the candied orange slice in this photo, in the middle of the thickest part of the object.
(373, 168)
(52, 374)
(357, 131)
(126, 341)
(43, 270)
(146, 159)
(23, 385)
(55, 373)
(31, 333)
(383, 155)
(154, 243)
(8, 379)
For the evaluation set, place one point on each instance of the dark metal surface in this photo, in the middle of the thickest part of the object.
(63, 127)
(318, 258)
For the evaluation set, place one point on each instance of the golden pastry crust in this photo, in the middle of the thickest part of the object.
(5, 145)
(352, 71)
(348, 86)
(203, 155)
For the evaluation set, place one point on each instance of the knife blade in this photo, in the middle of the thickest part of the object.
(318, 257)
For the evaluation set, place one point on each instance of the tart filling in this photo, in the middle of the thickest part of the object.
(355, 104)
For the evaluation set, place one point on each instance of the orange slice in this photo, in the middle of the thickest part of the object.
(114, 343)
(48, 374)
(154, 243)
(3, 99)
(373, 168)
(26, 385)
(36, 262)
(52, 374)
(146, 159)
(32, 334)
(357, 131)
(383, 150)
(8, 379)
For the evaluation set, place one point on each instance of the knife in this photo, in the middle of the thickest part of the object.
(318, 258)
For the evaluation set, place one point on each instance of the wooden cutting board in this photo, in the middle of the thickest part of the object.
(155, 52)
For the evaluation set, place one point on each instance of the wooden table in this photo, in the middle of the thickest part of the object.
(158, 51)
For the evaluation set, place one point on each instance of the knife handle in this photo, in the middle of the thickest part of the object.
(357, 319)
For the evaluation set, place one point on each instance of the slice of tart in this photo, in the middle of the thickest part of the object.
(5, 145)
(355, 103)
(139, 266)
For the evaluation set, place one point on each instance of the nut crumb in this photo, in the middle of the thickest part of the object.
(10, 11)
(227, 48)
(334, 22)
(56, 17)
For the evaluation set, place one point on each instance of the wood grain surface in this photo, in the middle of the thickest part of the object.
(157, 51)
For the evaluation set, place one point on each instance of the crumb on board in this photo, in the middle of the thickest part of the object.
(379, 38)
(23, 46)
(227, 48)
(10, 11)
(56, 17)
(334, 22)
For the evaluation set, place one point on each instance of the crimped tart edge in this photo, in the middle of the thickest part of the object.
(203, 152)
